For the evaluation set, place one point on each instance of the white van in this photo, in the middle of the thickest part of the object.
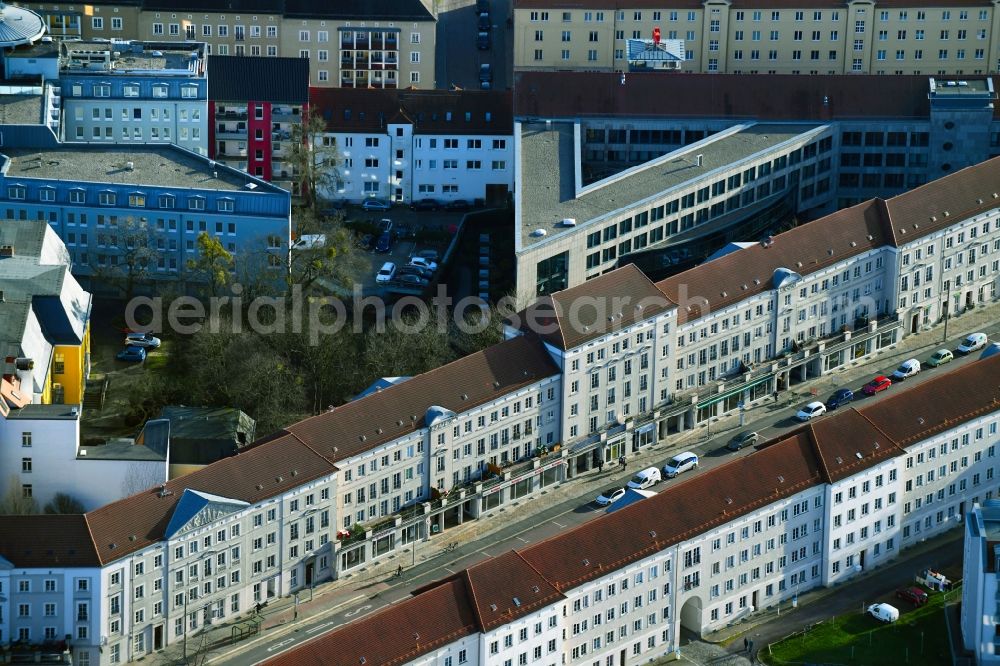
(645, 479)
(883, 612)
(972, 343)
(907, 369)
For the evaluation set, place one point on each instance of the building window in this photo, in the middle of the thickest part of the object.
(225, 205)
(131, 90)
(108, 198)
(196, 203)
(160, 90)
(26, 440)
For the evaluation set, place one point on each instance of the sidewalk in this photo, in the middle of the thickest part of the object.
(280, 616)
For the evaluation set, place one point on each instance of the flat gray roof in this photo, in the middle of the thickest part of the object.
(20, 109)
(548, 173)
(152, 165)
(118, 449)
(34, 411)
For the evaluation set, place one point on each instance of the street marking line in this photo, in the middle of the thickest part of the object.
(560, 525)
(523, 540)
(319, 627)
(448, 570)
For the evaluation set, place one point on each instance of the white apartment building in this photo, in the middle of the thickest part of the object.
(406, 145)
(709, 550)
(979, 582)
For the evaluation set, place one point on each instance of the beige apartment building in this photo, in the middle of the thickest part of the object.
(349, 44)
(859, 36)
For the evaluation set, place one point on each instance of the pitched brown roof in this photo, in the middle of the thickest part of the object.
(627, 5)
(430, 111)
(47, 541)
(395, 635)
(804, 249)
(942, 202)
(400, 409)
(737, 96)
(266, 470)
(940, 404)
(820, 452)
(597, 307)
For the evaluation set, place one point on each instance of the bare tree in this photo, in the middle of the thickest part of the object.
(14, 502)
(139, 245)
(64, 504)
(329, 260)
(315, 159)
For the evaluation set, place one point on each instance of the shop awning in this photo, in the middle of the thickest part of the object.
(731, 392)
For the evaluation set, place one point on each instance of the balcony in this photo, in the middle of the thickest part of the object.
(231, 113)
(286, 113)
(230, 151)
(230, 133)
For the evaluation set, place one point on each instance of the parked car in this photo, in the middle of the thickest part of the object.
(411, 279)
(907, 368)
(609, 497)
(425, 204)
(457, 204)
(745, 438)
(375, 204)
(425, 273)
(386, 273)
(646, 478)
(385, 225)
(483, 41)
(839, 397)
(682, 462)
(972, 343)
(484, 21)
(811, 411)
(384, 243)
(940, 357)
(485, 72)
(145, 340)
(884, 612)
(914, 595)
(877, 385)
(132, 354)
(432, 255)
(423, 263)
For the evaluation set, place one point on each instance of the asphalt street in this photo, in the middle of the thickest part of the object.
(457, 59)
(429, 563)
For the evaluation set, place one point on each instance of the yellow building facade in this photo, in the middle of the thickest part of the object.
(860, 37)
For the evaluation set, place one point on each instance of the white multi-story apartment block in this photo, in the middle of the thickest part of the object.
(461, 441)
(705, 552)
(980, 615)
(406, 145)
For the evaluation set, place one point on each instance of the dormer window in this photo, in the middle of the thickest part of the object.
(226, 205)
(196, 203)
(189, 91)
(16, 192)
(131, 90)
(160, 90)
(166, 201)
(47, 194)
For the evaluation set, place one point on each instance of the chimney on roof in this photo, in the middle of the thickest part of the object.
(699, 158)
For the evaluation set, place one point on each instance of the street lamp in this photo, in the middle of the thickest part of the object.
(947, 311)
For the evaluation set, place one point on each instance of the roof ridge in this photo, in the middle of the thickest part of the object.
(93, 541)
(470, 591)
(814, 447)
(902, 451)
(308, 446)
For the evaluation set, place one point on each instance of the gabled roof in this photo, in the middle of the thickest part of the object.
(805, 249)
(47, 540)
(774, 97)
(429, 111)
(373, 10)
(595, 308)
(194, 502)
(258, 79)
(402, 409)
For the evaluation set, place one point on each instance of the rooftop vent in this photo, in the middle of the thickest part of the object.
(840, 461)
(399, 422)
(465, 396)
(829, 252)
(534, 588)
(362, 661)
(130, 166)
(756, 281)
(279, 479)
(947, 214)
(131, 537)
(933, 218)
(83, 452)
(877, 446)
(260, 486)
(538, 233)
(854, 244)
(723, 294)
(496, 383)
(798, 264)
(586, 562)
(164, 491)
(700, 159)
(517, 602)
(870, 237)
(729, 500)
(920, 420)
(858, 455)
(781, 479)
(744, 287)
(652, 533)
(568, 222)
(378, 431)
(362, 437)
(979, 201)
(295, 472)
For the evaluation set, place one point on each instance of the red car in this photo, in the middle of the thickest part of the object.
(880, 383)
(914, 595)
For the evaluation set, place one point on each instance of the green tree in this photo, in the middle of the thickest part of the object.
(63, 503)
(331, 263)
(213, 263)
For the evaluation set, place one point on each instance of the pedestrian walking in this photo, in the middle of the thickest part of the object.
(775, 395)
(600, 465)
(746, 645)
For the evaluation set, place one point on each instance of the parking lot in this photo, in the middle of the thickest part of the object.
(409, 228)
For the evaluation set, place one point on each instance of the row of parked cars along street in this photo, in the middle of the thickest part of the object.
(682, 462)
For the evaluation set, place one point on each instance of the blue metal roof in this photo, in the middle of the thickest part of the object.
(193, 502)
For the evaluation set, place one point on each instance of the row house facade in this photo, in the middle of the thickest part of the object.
(404, 146)
(347, 45)
(818, 506)
(861, 37)
(288, 512)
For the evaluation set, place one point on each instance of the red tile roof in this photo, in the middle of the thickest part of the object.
(430, 111)
(820, 452)
(748, 271)
(400, 409)
(627, 5)
(736, 96)
(597, 307)
(47, 541)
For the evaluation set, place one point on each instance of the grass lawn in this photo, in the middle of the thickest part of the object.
(860, 639)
